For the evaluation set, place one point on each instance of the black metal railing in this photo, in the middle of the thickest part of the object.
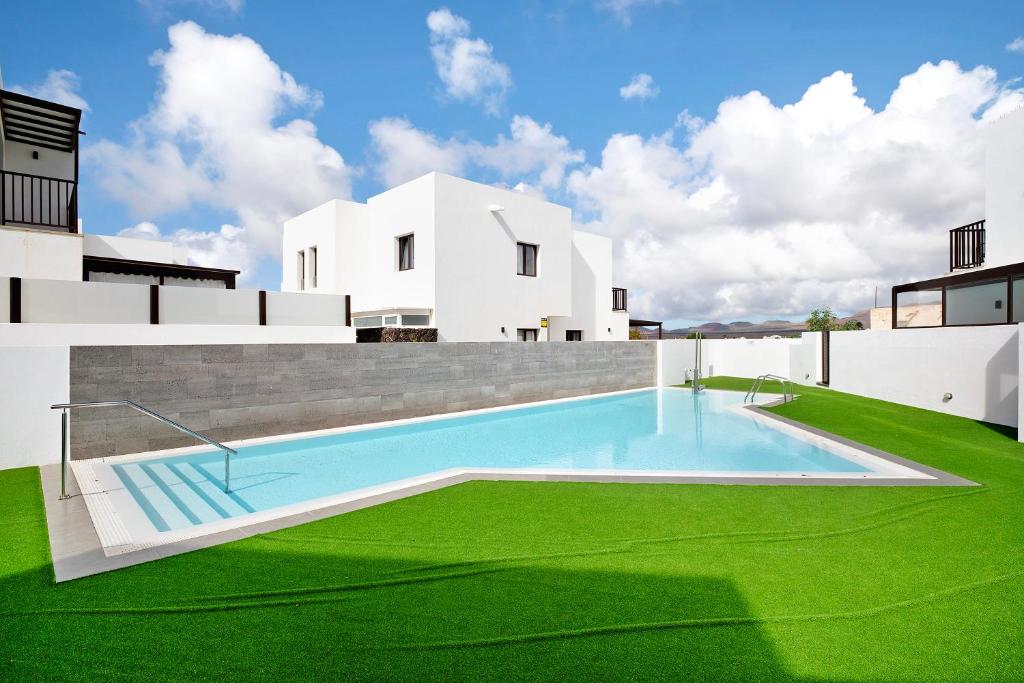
(38, 201)
(618, 299)
(967, 246)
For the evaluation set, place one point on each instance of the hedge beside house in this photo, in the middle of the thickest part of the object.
(396, 334)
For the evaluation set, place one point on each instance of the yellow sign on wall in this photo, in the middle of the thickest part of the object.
(543, 322)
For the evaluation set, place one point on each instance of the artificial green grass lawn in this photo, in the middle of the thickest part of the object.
(498, 580)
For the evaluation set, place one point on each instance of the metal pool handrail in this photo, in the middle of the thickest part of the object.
(787, 388)
(65, 448)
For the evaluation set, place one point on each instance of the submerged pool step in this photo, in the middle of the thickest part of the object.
(175, 496)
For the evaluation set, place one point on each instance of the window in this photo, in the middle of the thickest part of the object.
(391, 320)
(300, 270)
(618, 299)
(367, 321)
(574, 335)
(406, 252)
(415, 319)
(312, 267)
(1018, 299)
(526, 335)
(526, 259)
(976, 304)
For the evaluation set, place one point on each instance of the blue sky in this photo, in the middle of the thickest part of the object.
(566, 63)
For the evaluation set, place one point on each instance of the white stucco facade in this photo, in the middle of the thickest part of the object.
(464, 274)
(1004, 190)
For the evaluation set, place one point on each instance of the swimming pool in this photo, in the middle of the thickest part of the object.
(669, 433)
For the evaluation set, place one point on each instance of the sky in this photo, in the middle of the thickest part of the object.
(750, 160)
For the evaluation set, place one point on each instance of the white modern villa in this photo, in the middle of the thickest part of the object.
(477, 262)
(40, 229)
(985, 281)
(60, 286)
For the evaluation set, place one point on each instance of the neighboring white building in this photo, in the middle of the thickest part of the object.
(60, 286)
(477, 262)
(40, 230)
(985, 281)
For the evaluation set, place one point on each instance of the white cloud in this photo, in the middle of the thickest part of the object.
(466, 66)
(532, 155)
(622, 10)
(211, 139)
(774, 210)
(640, 87)
(1016, 45)
(60, 86)
(223, 248)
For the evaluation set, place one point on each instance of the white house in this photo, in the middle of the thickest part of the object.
(60, 286)
(477, 262)
(985, 281)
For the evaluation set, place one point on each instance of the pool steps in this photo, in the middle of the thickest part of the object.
(176, 495)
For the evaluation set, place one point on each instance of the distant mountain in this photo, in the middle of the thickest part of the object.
(743, 328)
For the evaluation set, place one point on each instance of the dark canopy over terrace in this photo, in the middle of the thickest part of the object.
(646, 323)
(39, 123)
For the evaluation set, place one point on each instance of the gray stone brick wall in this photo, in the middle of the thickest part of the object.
(237, 391)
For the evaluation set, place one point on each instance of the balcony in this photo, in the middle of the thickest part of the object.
(39, 164)
(38, 202)
(618, 299)
(967, 246)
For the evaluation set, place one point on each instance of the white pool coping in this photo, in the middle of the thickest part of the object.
(123, 528)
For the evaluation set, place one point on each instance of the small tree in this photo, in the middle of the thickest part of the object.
(635, 334)
(821, 320)
(824, 320)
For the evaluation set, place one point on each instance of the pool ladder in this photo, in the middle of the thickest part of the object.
(65, 432)
(787, 388)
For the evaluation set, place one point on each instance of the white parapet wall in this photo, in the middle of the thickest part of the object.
(67, 301)
(202, 306)
(99, 303)
(286, 308)
(29, 334)
(979, 367)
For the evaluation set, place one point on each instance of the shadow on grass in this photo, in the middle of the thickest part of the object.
(270, 608)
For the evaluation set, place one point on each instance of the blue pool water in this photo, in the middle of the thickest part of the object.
(621, 432)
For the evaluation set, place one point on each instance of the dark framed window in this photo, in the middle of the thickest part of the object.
(574, 335)
(526, 259)
(406, 252)
(618, 299)
(526, 334)
(312, 267)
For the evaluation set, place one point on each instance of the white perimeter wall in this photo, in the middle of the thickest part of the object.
(979, 366)
(732, 357)
(34, 378)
